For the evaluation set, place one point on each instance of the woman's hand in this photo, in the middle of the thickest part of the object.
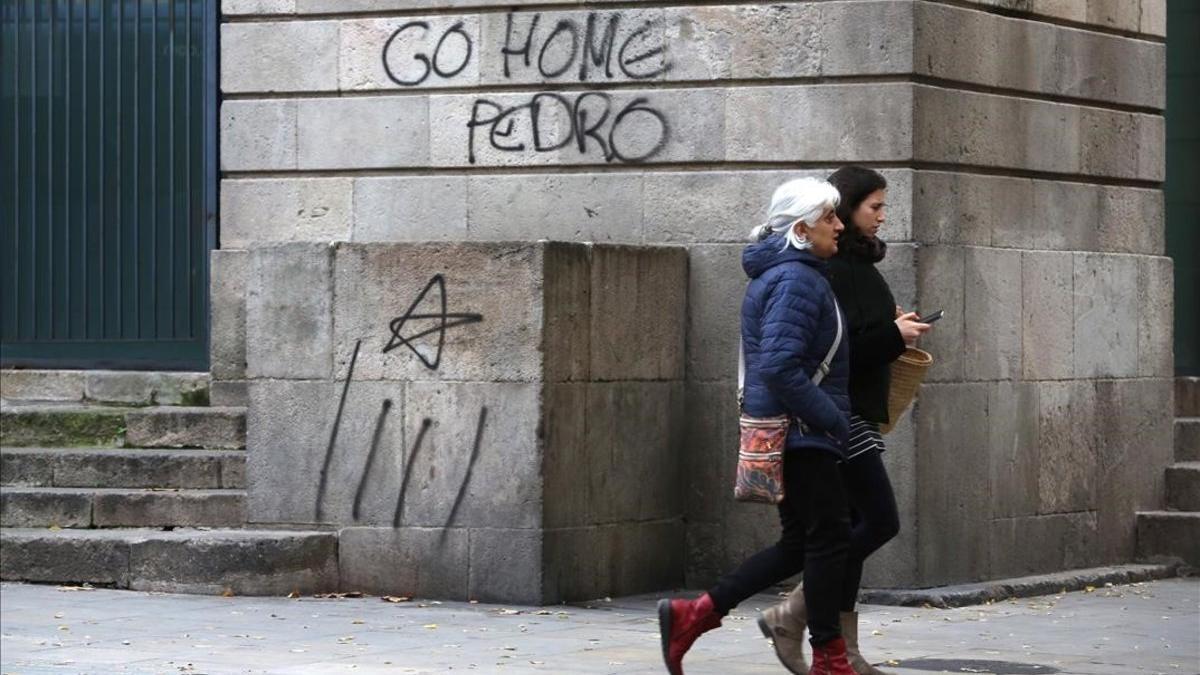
(910, 328)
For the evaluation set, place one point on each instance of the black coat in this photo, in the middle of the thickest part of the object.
(875, 341)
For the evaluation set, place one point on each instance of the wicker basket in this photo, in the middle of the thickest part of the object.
(907, 373)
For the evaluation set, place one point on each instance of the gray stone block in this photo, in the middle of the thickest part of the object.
(230, 393)
(1130, 221)
(716, 288)
(1169, 533)
(145, 387)
(229, 271)
(639, 307)
(606, 561)
(567, 313)
(1067, 446)
(61, 426)
(566, 456)
(569, 207)
(179, 427)
(722, 206)
(242, 562)
(1107, 13)
(258, 135)
(1187, 439)
(288, 428)
(711, 441)
(168, 508)
(450, 42)
(413, 562)
(1047, 300)
(1187, 396)
(505, 565)
(292, 424)
(986, 129)
(895, 564)
(44, 507)
(634, 127)
(1057, 60)
(1155, 317)
(410, 208)
(703, 557)
(955, 208)
(1013, 448)
(361, 133)
(42, 385)
(941, 285)
(302, 56)
(764, 123)
(1154, 17)
(456, 483)
(255, 212)
(954, 477)
(899, 269)
(137, 468)
(1059, 542)
(1133, 448)
(28, 468)
(72, 556)
(1106, 315)
(1183, 486)
(239, 7)
(376, 285)
(289, 312)
(633, 442)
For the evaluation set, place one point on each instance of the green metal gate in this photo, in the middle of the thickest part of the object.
(108, 183)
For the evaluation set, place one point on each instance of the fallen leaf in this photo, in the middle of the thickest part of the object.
(294, 594)
(358, 621)
(431, 626)
(395, 598)
(227, 593)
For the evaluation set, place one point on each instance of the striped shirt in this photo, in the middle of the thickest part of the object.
(864, 436)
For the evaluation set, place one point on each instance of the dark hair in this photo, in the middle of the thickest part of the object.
(854, 184)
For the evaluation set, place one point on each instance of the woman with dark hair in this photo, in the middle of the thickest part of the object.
(879, 332)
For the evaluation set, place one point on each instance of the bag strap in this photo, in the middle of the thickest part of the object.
(822, 369)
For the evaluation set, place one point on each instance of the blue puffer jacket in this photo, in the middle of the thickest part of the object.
(788, 326)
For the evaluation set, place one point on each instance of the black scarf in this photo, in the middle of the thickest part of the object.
(852, 242)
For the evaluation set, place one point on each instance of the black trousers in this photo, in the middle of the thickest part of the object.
(873, 517)
(816, 536)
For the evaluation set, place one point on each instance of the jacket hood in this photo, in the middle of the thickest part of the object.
(761, 256)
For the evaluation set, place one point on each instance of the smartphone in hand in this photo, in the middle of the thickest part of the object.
(930, 318)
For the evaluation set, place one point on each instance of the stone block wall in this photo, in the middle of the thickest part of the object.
(478, 420)
(1022, 141)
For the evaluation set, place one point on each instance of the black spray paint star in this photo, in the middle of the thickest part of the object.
(445, 321)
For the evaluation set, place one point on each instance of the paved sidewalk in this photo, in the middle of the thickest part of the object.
(1152, 627)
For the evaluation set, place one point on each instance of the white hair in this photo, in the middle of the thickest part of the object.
(800, 200)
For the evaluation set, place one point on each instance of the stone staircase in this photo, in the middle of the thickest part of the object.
(147, 497)
(1175, 532)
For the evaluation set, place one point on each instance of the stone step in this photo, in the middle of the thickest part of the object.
(110, 507)
(1169, 534)
(1183, 486)
(61, 425)
(122, 468)
(73, 425)
(1187, 439)
(1187, 397)
(125, 387)
(244, 562)
(177, 427)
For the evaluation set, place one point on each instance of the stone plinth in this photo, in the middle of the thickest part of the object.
(478, 420)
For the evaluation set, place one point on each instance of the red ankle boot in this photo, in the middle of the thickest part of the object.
(830, 659)
(681, 622)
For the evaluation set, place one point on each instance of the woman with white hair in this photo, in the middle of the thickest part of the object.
(791, 326)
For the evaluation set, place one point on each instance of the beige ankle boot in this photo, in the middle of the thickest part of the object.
(860, 665)
(784, 626)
